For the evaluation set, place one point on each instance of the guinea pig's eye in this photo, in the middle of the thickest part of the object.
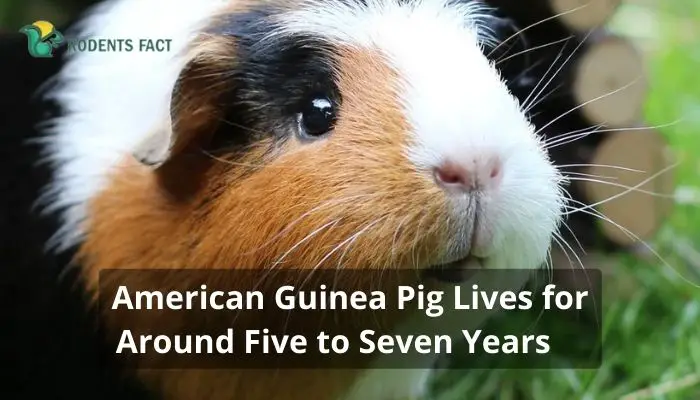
(317, 117)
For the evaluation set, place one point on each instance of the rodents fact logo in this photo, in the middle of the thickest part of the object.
(42, 39)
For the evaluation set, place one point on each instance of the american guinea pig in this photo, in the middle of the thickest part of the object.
(295, 130)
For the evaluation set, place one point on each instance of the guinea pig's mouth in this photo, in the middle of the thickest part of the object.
(454, 271)
(460, 265)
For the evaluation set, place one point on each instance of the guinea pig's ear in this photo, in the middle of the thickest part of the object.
(195, 103)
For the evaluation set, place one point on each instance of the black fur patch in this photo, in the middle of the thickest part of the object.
(273, 79)
(510, 53)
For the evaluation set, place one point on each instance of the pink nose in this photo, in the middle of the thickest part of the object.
(469, 175)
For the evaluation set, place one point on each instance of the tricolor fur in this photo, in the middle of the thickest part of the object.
(232, 183)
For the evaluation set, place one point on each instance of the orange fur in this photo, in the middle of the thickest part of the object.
(369, 205)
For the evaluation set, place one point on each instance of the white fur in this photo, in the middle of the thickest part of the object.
(113, 99)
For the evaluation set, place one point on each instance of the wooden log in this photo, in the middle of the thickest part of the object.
(643, 153)
(610, 80)
(582, 15)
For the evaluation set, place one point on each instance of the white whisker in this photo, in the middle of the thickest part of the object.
(587, 103)
(534, 25)
(630, 189)
(561, 67)
(532, 49)
(599, 166)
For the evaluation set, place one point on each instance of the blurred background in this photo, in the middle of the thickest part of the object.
(651, 291)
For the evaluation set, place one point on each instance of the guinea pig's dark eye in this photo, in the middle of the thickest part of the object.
(317, 117)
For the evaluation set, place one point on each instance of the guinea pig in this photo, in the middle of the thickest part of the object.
(315, 133)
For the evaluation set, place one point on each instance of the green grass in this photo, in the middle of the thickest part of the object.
(651, 309)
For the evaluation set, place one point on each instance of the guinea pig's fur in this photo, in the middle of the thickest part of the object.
(196, 157)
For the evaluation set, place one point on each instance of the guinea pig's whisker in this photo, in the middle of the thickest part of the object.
(349, 239)
(245, 128)
(565, 245)
(347, 242)
(393, 239)
(627, 129)
(572, 175)
(547, 96)
(518, 33)
(347, 247)
(240, 164)
(599, 166)
(561, 244)
(328, 203)
(628, 190)
(271, 271)
(598, 214)
(530, 49)
(393, 243)
(549, 265)
(584, 104)
(539, 317)
(416, 240)
(561, 67)
(573, 235)
(571, 136)
(216, 75)
(303, 240)
(585, 274)
(340, 266)
(538, 95)
(525, 103)
(576, 135)
(632, 235)
(632, 189)
(228, 162)
(528, 70)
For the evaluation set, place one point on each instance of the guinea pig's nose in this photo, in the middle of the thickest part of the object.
(468, 175)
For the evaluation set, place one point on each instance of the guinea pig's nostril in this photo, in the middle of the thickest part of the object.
(495, 170)
(452, 176)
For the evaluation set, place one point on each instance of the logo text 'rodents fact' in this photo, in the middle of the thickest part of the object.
(43, 39)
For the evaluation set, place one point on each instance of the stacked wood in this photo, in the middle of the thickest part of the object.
(595, 82)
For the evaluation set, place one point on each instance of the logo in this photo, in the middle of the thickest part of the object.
(42, 39)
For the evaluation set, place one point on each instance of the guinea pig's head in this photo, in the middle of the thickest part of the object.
(361, 134)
